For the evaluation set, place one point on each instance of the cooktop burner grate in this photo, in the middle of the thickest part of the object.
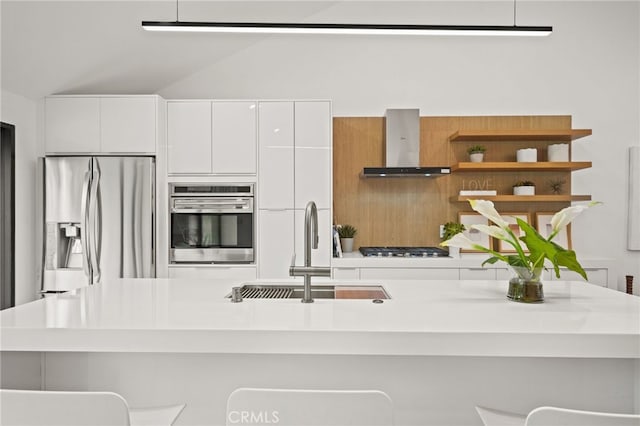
(403, 252)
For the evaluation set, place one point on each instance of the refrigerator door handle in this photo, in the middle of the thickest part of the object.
(84, 214)
(93, 223)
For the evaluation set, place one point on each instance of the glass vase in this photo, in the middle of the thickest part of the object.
(526, 286)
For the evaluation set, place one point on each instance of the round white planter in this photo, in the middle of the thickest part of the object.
(347, 245)
(476, 157)
(558, 152)
(524, 190)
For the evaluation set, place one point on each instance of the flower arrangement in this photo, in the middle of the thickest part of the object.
(527, 266)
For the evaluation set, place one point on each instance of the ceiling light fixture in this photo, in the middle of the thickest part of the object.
(347, 29)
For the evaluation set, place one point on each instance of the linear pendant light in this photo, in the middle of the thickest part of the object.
(346, 29)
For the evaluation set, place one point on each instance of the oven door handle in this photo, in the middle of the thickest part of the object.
(210, 210)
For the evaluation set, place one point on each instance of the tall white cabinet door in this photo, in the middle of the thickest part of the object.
(313, 153)
(275, 141)
(72, 125)
(189, 137)
(128, 124)
(321, 256)
(234, 137)
(275, 243)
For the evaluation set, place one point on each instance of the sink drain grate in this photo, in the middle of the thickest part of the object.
(266, 292)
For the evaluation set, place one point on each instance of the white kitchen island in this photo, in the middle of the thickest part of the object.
(438, 348)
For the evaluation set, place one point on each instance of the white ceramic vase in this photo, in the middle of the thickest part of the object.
(524, 190)
(527, 155)
(558, 152)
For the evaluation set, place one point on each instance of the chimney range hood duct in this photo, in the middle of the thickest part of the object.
(402, 152)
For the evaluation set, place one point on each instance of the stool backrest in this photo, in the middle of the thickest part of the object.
(52, 408)
(303, 407)
(553, 416)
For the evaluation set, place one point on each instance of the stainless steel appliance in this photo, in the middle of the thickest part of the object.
(99, 220)
(403, 252)
(211, 223)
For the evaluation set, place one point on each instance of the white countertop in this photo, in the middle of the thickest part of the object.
(448, 318)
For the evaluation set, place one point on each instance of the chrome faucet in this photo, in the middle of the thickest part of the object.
(310, 241)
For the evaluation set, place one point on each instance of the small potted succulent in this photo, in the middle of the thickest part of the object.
(476, 153)
(524, 187)
(346, 234)
(450, 229)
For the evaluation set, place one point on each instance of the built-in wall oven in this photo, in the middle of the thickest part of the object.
(211, 223)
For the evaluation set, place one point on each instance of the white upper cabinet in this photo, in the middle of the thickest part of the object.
(313, 160)
(128, 124)
(189, 137)
(276, 172)
(234, 137)
(72, 125)
(110, 124)
(207, 137)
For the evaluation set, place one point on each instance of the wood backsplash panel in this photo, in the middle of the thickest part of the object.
(408, 211)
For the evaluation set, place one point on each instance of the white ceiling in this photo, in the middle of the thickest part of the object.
(54, 47)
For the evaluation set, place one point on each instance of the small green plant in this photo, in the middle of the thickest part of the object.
(556, 185)
(451, 229)
(347, 231)
(524, 183)
(476, 149)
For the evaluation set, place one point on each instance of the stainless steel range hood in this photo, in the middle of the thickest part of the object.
(402, 152)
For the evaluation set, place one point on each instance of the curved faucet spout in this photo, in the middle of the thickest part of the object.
(310, 241)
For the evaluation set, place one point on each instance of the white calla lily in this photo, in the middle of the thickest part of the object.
(486, 209)
(492, 230)
(565, 216)
(462, 241)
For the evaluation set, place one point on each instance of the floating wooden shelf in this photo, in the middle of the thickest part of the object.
(522, 198)
(557, 135)
(506, 166)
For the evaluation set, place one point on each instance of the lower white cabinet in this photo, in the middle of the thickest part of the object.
(595, 276)
(275, 243)
(409, 273)
(346, 273)
(477, 274)
(247, 273)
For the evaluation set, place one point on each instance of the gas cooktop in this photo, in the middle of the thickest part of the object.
(403, 252)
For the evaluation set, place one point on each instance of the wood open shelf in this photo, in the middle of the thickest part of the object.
(556, 135)
(523, 198)
(512, 166)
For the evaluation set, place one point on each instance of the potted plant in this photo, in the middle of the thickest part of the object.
(450, 229)
(524, 187)
(531, 249)
(476, 153)
(347, 233)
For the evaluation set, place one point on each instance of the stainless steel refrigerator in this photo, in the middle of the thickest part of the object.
(98, 220)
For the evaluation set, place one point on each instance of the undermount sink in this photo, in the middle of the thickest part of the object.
(288, 291)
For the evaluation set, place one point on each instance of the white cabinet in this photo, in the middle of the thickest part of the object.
(346, 273)
(189, 137)
(275, 139)
(313, 160)
(241, 273)
(128, 124)
(234, 137)
(598, 276)
(477, 274)
(72, 125)
(206, 137)
(294, 167)
(409, 273)
(94, 124)
(275, 243)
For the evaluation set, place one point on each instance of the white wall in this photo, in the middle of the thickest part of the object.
(21, 112)
(588, 68)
